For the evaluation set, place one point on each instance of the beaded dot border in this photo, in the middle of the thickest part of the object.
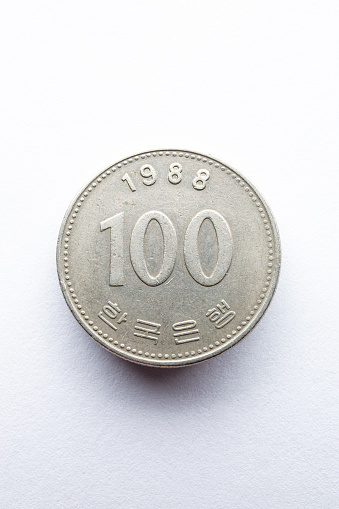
(210, 162)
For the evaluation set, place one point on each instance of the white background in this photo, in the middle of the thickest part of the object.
(83, 84)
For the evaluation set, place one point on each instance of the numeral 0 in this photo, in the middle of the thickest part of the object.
(191, 251)
(137, 248)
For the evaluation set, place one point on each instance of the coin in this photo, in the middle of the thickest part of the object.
(168, 257)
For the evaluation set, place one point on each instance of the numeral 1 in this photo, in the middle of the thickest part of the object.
(127, 178)
(116, 271)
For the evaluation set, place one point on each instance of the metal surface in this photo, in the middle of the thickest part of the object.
(168, 257)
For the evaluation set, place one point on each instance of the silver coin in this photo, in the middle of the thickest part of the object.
(168, 257)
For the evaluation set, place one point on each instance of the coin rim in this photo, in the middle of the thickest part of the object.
(169, 363)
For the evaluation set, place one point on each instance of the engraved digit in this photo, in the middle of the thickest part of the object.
(137, 248)
(148, 172)
(191, 251)
(174, 175)
(127, 178)
(199, 182)
(116, 271)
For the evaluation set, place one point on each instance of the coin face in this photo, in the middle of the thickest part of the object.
(168, 257)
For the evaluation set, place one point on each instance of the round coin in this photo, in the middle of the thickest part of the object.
(168, 257)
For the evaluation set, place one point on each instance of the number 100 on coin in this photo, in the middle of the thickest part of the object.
(168, 258)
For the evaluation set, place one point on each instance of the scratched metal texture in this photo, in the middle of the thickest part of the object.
(188, 267)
